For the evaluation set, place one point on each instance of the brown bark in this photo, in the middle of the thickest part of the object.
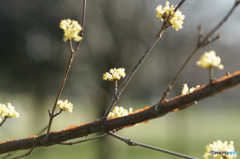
(142, 115)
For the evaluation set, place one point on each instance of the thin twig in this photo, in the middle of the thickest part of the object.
(71, 46)
(210, 40)
(202, 41)
(72, 143)
(221, 23)
(83, 24)
(73, 53)
(116, 89)
(169, 88)
(179, 5)
(51, 114)
(210, 74)
(5, 118)
(115, 98)
(57, 113)
(133, 143)
(134, 70)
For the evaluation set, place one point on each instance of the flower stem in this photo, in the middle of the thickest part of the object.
(129, 77)
(73, 53)
(210, 74)
(133, 143)
(178, 75)
(202, 41)
(141, 60)
(5, 118)
(51, 114)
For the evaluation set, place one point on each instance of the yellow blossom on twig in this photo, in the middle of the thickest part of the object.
(114, 74)
(164, 12)
(218, 150)
(8, 111)
(186, 90)
(71, 29)
(209, 59)
(119, 112)
(65, 105)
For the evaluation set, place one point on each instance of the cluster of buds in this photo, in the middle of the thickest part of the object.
(186, 90)
(65, 105)
(220, 147)
(8, 111)
(114, 74)
(209, 59)
(119, 112)
(71, 29)
(164, 12)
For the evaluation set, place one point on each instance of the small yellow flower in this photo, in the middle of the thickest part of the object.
(114, 74)
(71, 29)
(191, 90)
(65, 105)
(209, 59)
(218, 147)
(164, 12)
(186, 90)
(8, 111)
(3, 109)
(119, 112)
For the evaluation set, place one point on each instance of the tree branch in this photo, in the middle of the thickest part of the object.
(116, 96)
(142, 115)
(202, 41)
(134, 143)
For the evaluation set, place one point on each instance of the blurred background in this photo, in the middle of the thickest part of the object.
(33, 58)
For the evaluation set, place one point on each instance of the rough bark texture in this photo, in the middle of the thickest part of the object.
(141, 115)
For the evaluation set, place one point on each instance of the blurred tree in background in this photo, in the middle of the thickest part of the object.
(33, 58)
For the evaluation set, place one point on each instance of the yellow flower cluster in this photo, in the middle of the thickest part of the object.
(114, 74)
(164, 12)
(220, 146)
(8, 111)
(71, 29)
(209, 59)
(186, 90)
(119, 112)
(65, 105)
